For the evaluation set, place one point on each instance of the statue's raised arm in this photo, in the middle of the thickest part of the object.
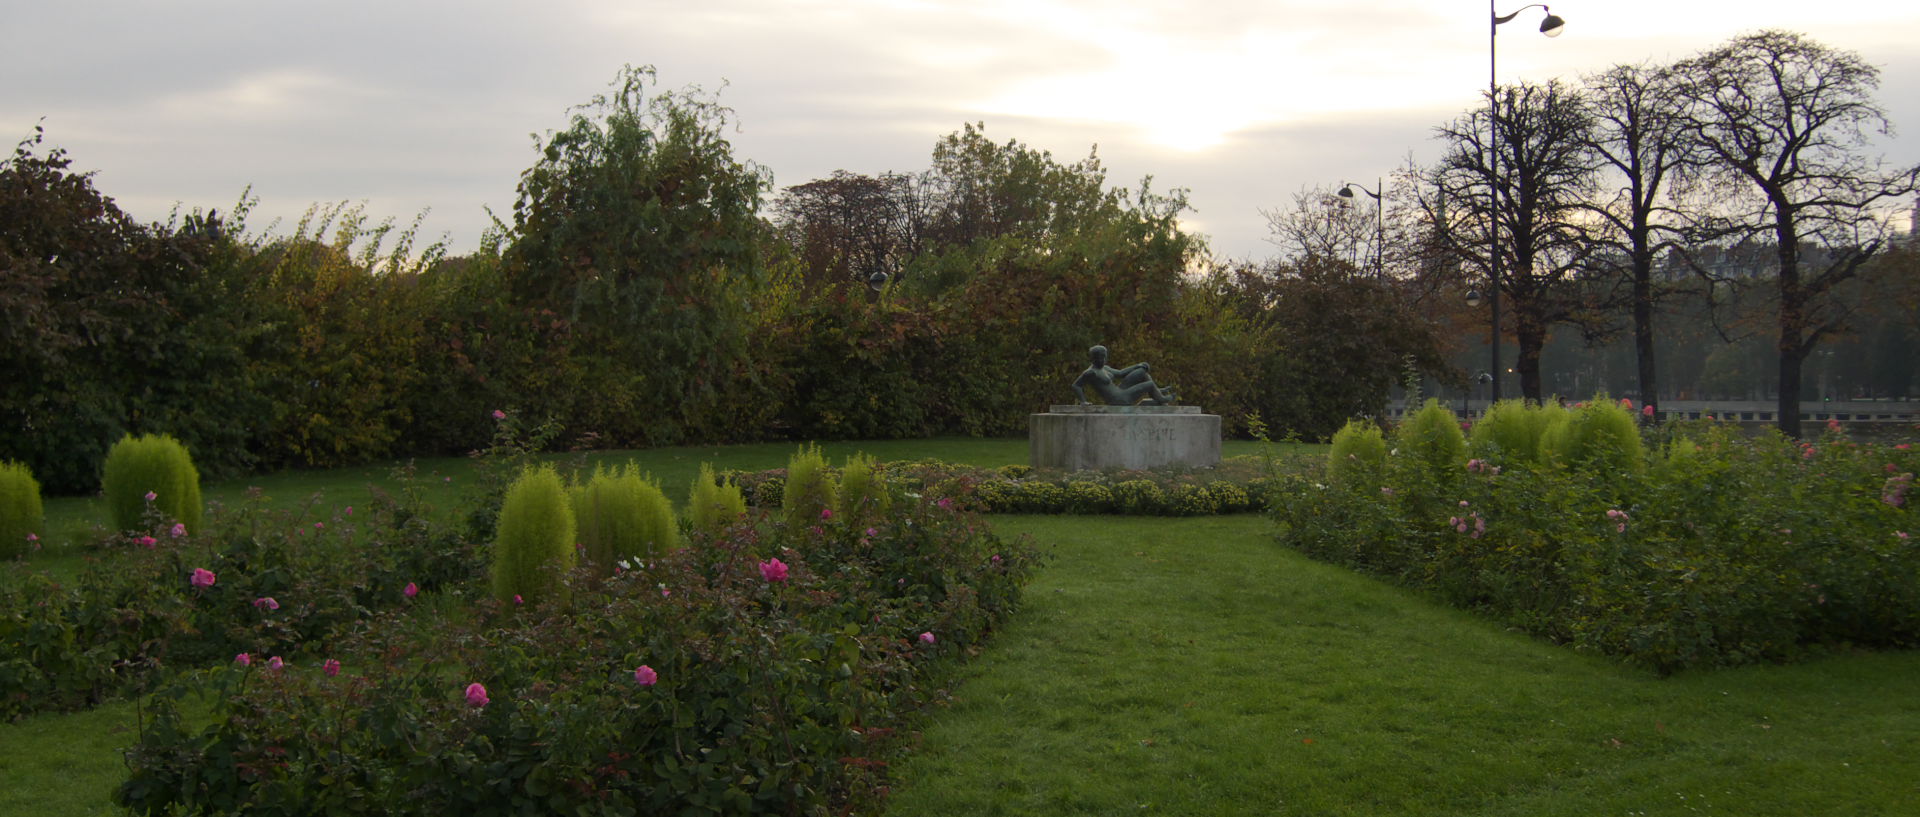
(1119, 387)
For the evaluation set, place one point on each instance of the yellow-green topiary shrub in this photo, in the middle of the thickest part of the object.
(1601, 435)
(809, 489)
(1432, 438)
(534, 541)
(1358, 454)
(1510, 433)
(714, 504)
(863, 492)
(620, 514)
(151, 464)
(22, 517)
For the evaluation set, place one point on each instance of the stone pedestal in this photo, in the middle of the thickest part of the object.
(1079, 438)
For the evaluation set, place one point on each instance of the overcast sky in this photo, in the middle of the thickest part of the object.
(411, 104)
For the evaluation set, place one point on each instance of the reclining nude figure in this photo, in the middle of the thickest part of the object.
(1119, 387)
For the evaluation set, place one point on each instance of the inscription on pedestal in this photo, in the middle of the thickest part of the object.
(1078, 438)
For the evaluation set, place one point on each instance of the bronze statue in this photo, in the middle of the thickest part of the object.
(1119, 387)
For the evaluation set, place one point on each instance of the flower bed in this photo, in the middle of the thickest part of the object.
(1239, 485)
(1716, 549)
(762, 670)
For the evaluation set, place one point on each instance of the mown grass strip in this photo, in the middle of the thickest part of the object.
(1192, 666)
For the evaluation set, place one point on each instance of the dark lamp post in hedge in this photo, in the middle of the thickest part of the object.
(1552, 26)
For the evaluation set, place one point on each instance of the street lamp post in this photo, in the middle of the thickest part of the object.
(1552, 26)
(1379, 220)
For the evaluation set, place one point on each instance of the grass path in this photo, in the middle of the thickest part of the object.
(1194, 667)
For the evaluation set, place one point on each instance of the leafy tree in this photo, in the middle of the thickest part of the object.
(1784, 121)
(638, 224)
(848, 227)
(1529, 187)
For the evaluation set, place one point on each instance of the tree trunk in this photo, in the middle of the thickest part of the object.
(1643, 329)
(1531, 336)
(1792, 346)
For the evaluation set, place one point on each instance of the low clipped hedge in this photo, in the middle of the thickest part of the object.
(1238, 485)
(1712, 549)
(763, 670)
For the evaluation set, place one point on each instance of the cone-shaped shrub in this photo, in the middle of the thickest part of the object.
(534, 540)
(1433, 439)
(151, 464)
(714, 504)
(21, 514)
(863, 492)
(809, 488)
(1602, 435)
(1510, 433)
(621, 515)
(1358, 455)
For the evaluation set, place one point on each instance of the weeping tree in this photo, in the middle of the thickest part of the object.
(1785, 123)
(1515, 180)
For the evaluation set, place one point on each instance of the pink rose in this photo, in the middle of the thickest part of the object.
(1626, 404)
(179, 530)
(1647, 410)
(645, 676)
(151, 496)
(476, 695)
(826, 513)
(499, 415)
(275, 663)
(773, 570)
(331, 667)
(243, 659)
(202, 578)
(146, 541)
(944, 503)
(926, 638)
(266, 603)
(872, 532)
(518, 600)
(411, 590)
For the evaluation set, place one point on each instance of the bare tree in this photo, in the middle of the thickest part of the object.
(1637, 136)
(1321, 225)
(1784, 121)
(1521, 169)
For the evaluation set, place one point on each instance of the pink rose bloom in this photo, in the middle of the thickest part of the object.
(1647, 410)
(645, 676)
(996, 558)
(319, 525)
(243, 659)
(331, 667)
(826, 513)
(203, 578)
(872, 532)
(148, 541)
(476, 695)
(275, 663)
(499, 415)
(151, 496)
(518, 600)
(411, 590)
(266, 603)
(944, 503)
(179, 530)
(926, 638)
(1626, 403)
(665, 592)
(773, 570)
(349, 510)
(1900, 533)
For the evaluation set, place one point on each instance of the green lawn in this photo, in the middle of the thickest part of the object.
(1192, 666)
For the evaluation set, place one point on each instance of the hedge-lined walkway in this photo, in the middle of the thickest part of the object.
(1192, 666)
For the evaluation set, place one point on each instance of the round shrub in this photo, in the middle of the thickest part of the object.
(1088, 497)
(714, 504)
(863, 492)
(1188, 499)
(621, 515)
(1510, 433)
(1139, 496)
(157, 465)
(1358, 454)
(1602, 435)
(1229, 498)
(21, 514)
(534, 538)
(809, 488)
(1432, 438)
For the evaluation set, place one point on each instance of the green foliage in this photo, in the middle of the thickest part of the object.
(1599, 435)
(157, 465)
(1430, 442)
(621, 515)
(863, 493)
(1358, 455)
(1732, 550)
(534, 540)
(714, 504)
(22, 518)
(1510, 432)
(809, 489)
(763, 698)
